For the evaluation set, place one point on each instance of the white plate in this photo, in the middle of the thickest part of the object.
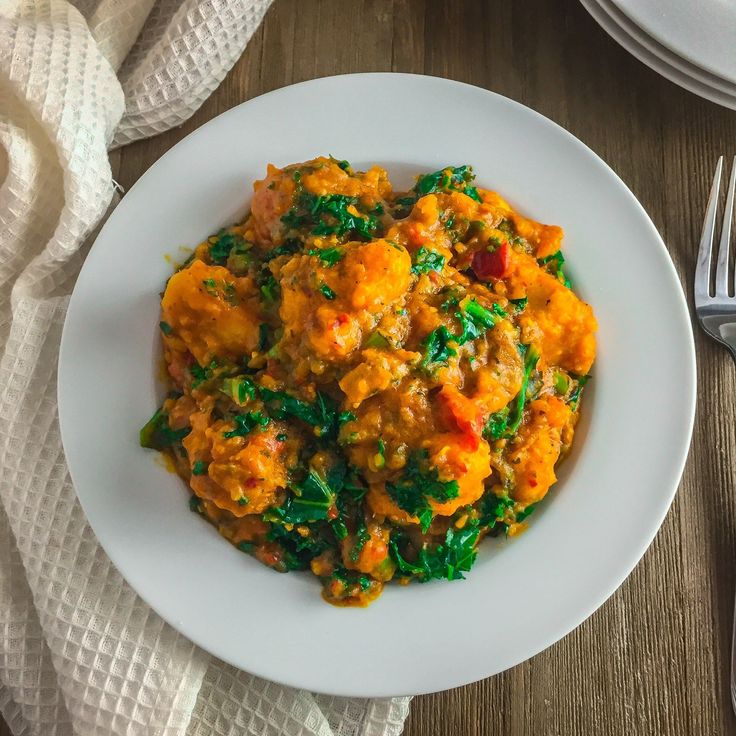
(701, 31)
(523, 594)
(657, 57)
(662, 52)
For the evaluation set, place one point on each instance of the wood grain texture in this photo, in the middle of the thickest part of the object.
(653, 659)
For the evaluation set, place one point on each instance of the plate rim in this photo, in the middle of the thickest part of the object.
(676, 469)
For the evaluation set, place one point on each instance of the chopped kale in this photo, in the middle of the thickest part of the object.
(457, 555)
(330, 215)
(326, 292)
(223, 244)
(329, 256)
(476, 320)
(335, 207)
(352, 583)
(574, 399)
(472, 192)
(240, 389)
(361, 537)
(380, 457)
(321, 414)
(531, 358)
(403, 206)
(288, 248)
(403, 565)
(497, 424)
(263, 331)
(558, 261)
(270, 289)
(354, 488)
(293, 220)
(493, 509)
(437, 349)
(336, 475)
(445, 180)
(521, 515)
(506, 423)
(200, 373)
(448, 560)
(298, 548)
(199, 467)
(165, 327)
(158, 435)
(339, 529)
(311, 501)
(246, 423)
(427, 260)
(519, 304)
(448, 180)
(417, 485)
(240, 258)
(453, 299)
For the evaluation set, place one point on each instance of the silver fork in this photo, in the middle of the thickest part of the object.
(715, 307)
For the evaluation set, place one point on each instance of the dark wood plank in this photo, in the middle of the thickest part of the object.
(653, 659)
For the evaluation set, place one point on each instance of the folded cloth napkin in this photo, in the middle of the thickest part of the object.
(80, 652)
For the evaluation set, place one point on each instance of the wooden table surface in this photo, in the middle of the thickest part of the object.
(654, 658)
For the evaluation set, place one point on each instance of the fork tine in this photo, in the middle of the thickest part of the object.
(722, 285)
(702, 270)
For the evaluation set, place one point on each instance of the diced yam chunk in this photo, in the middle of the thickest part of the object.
(555, 319)
(378, 370)
(537, 449)
(213, 314)
(244, 474)
(375, 275)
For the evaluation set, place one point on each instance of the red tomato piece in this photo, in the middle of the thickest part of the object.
(462, 414)
(492, 265)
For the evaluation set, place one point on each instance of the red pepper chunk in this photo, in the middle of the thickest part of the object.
(461, 414)
(492, 265)
(417, 235)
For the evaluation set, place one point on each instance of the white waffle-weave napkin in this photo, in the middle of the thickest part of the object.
(80, 653)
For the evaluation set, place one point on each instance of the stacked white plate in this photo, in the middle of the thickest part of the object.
(691, 42)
